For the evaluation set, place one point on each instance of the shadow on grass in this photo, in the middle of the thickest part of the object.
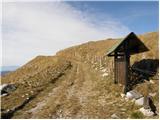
(142, 70)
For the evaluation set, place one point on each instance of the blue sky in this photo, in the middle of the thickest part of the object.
(138, 16)
(36, 28)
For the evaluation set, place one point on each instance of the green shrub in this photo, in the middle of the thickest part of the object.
(137, 115)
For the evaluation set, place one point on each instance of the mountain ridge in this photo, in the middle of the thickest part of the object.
(75, 83)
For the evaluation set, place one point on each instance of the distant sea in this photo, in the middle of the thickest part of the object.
(6, 69)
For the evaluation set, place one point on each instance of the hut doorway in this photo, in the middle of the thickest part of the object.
(120, 72)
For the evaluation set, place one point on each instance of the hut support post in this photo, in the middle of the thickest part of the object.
(127, 64)
(115, 68)
(146, 94)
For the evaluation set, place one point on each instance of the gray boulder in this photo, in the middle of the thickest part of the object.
(7, 88)
(133, 94)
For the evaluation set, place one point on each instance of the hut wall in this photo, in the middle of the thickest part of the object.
(120, 70)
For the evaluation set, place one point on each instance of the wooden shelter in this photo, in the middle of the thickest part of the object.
(121, 52)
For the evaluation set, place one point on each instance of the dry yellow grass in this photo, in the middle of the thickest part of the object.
(71, 85)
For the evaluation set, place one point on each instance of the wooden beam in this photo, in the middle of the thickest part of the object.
(115, 68)
(117, 55)
(127, 63)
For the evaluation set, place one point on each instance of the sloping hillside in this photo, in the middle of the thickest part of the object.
(95, 49)
(75, 83)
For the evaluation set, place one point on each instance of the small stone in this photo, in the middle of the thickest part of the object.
(120, 105)
(101, 68)
(114, 116)
(146, 112)
(129, 95)
(152, 94)
(31, 91)
(151, 81)
(126, 99)
(123, 112)
(116, 94)
(122, 95)
(104, 70)
(23, 96)
(8, 110)
(105, 74)
(5, 94)
(123, 109)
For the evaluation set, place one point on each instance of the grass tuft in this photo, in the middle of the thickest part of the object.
(137, 115)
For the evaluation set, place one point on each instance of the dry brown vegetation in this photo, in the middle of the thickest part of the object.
(71, 84)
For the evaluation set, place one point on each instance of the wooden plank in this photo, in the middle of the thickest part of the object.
(121, 70)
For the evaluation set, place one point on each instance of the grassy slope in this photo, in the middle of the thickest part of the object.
(99, 48)
(33, 78)
(92, 52)
(38, 74)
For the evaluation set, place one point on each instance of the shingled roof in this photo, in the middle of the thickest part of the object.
(135, 46)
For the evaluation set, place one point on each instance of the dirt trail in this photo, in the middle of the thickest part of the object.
(66, 100)
(68, 97)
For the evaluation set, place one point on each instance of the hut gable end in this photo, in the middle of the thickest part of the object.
(134, 45)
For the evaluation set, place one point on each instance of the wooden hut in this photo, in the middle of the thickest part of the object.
(121, 52)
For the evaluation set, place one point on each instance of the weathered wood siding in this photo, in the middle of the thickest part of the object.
(120, 70)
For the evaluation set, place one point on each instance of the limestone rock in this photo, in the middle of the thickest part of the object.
(5, 94)
(114, 116)
(151, 81)
(126, 99)
(133, 94)
(7, 88)
(105, 74)
(146, 112)
(123, 109)
(122, 95)
(139, 101)
(104, 70)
